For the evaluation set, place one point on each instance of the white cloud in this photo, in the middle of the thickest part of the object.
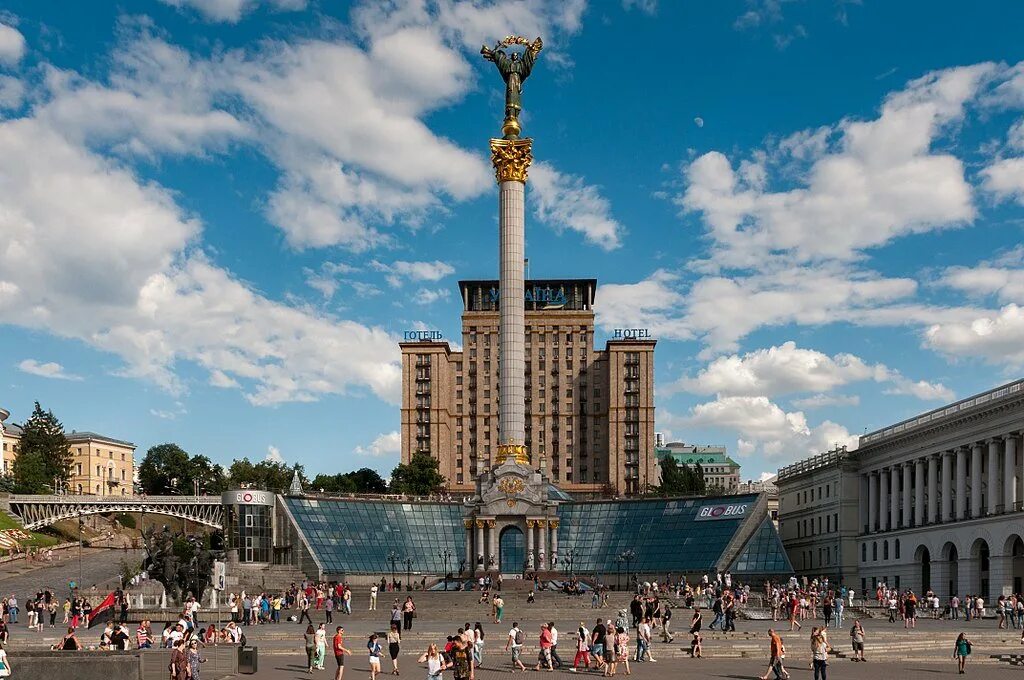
(652, 303)
(231, 11)
(1005, 179)
(274, 455)
(566, 202)
(49, 369)
(788, 369)
(763, 426)
(387, 444)
(646, 6)
(822, 400)
(12, 44)
(428, 296)
(1006, 283)
(220, 379)
(412, 271)
(12, 92)
(996, 337)
(882, 181)
(158, 99)
(120, 275)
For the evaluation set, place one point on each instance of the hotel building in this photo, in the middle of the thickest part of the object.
(589, 412)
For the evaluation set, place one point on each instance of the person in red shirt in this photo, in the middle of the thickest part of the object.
(545, 648)
(339, 651)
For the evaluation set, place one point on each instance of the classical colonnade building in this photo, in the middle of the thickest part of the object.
(939, 501)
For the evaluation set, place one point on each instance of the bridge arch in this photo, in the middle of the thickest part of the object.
(36, 512)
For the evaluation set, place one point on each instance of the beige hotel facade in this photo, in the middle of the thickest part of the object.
(589, 412)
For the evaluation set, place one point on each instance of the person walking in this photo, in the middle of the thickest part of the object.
(857, 639)
(394, 646)
(321, 647)
(544, 657)
(478, 645)
(338, 644)
(961, 650)
(195, 660)
(5, 664)
(373, 597)
(583, 648)
(666, 619)
(499, 608)
(373, 648)
(408, 613)
(304, 610)
(435, 662)
(776, 654)
(556, 661)
(621, 650)
(328, 609)
(819, 653)
(515, 641)
(309, 641)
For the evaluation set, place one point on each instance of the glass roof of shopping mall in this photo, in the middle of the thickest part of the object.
(763, 553)
(665, 535)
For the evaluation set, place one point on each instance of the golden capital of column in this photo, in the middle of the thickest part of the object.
(542, 523)
(531, 523)
(516, 451)
(490, 523)
(468, 523)
(511, 159)
(553, 523)
(479, 524)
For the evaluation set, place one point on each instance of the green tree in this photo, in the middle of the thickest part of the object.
(30, 473)
(680, 480)
(210, 475)
(43, 436)
(166, 468)
(266, 474)
(363, 480)
(420, 477)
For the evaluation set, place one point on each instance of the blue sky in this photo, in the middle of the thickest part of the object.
(218, 216)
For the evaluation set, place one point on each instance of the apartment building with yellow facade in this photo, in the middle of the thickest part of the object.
(101, 465)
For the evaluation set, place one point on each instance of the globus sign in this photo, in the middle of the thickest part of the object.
(247, 497)
(722, 511)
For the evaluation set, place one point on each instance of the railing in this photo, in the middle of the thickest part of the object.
(939, 413)
(813, 463)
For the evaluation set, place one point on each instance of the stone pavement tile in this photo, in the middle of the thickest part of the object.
(293, 668)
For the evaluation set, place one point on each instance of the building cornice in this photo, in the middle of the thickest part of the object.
(957, 420)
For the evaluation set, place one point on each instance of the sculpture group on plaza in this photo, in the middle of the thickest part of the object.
(180, 562)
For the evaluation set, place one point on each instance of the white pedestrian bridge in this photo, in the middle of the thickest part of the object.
(36, 511)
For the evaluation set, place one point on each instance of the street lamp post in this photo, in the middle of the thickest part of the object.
(445, 555)
(408, 574)
(628, 557)
(618, 572)
(570, 557)
(79, 550)
(392, 557)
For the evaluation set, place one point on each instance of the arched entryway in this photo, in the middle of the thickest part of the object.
(1014, 551)
(511, 551)
(923, 566)
(952, 564)
(980, 558)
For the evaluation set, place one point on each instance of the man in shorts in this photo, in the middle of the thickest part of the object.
(597, 643)
(515, 643)
(339, 651)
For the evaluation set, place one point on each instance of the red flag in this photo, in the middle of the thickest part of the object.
(108, 603)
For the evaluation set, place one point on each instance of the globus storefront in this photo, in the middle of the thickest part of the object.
(249, 525)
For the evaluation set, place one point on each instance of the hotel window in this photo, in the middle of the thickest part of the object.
(78, 468)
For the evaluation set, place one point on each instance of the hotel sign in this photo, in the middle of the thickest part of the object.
(722, 511)
(545, 295)
(631, 334)
(423, 335)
